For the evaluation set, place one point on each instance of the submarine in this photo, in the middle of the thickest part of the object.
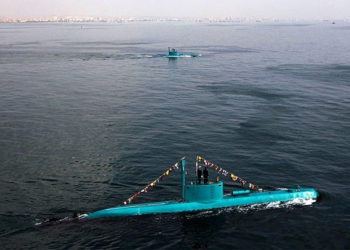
(173, 53)
(198, 196)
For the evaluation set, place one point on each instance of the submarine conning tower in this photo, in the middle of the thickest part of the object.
(173, 52)
(204, 192)
(200, 192)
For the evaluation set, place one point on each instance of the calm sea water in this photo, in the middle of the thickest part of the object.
(88, 117)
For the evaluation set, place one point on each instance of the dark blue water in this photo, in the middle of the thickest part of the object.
(88, 117)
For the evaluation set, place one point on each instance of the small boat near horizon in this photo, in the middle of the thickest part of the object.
(173, 53)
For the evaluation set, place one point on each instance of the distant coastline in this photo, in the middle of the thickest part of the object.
(70, 19)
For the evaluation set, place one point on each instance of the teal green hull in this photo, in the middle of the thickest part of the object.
(178, 55)
(182, 55)
(174, 54)
(242, 199)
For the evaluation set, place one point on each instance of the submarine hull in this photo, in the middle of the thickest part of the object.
(242, 199)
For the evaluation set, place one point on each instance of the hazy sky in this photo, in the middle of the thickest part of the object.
(283, 9)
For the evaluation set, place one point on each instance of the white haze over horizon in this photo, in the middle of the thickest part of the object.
(271, 9)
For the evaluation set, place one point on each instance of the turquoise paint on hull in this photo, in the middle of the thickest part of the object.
(173, 53)
(226, 201)
(180, 55)
(206, 192)
(240, 192)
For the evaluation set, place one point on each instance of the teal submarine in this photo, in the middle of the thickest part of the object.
(173, 53)
(198, 196)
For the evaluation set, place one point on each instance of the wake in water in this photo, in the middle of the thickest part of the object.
(256, 207)
(56, 220)
(276, 205)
